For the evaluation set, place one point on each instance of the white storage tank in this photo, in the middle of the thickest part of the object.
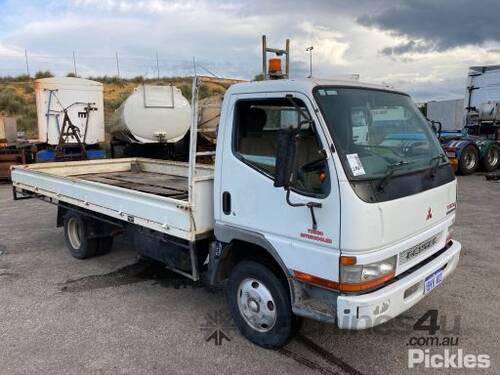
(152, 114)
(83, 99)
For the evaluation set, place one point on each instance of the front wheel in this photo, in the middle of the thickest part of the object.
(468, 162)
(260, 305)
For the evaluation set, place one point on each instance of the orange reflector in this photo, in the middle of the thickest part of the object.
(274, 66)
(310, 279)
(347, 261)
(454, 164)
(342, 287)
(359, 287)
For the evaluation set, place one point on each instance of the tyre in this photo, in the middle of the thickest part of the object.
(260, 305)
(104, 245)
(75, 234)
(469, 160)
(491, 159)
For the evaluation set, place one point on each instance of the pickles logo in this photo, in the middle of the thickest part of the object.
(448, 359)
(441, 335)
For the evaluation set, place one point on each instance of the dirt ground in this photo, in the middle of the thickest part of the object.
(117, 314)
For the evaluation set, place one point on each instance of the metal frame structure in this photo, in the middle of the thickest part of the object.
(67, 129)
(277, 52)
(193, 140)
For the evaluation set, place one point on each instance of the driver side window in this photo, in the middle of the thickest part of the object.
(255, 142)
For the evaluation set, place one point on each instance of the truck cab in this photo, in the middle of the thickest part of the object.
(341, 191)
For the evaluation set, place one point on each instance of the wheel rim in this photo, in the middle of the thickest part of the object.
(492, 156)
(470, 160)
(74, 231)
(256, 305)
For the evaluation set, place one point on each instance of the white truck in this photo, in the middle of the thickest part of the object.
(299, 216)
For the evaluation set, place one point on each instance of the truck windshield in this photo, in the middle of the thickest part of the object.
(374, 129)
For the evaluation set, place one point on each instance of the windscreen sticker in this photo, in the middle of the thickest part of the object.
(355, 164)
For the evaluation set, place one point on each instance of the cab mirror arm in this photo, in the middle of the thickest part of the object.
(310, 205)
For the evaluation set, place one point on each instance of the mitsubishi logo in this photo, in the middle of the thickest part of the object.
(429, 214)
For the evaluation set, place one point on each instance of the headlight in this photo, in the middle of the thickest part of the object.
(360, 277)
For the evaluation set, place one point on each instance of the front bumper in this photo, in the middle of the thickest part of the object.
(371, 309)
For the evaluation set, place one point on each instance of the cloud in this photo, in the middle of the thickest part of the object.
(411, 46)
(330, 45)
(436, 25)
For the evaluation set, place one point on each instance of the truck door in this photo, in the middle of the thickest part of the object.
(249, 201)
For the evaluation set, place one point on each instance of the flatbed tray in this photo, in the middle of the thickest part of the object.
(148, 182)
(147, 192)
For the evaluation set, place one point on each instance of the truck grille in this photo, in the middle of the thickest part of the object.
(413, 252)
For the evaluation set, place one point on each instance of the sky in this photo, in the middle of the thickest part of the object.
(423, 47)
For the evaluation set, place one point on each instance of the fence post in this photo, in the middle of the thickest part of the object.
(74, 64)
(157, 66)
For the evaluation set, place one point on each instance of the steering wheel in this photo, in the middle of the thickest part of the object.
(312, 166)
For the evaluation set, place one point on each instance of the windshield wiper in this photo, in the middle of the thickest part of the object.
(389, 172)
(434, 166)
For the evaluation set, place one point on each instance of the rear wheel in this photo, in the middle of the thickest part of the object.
(491, 159)
(469, 160)
(260, 305)
(76, 236)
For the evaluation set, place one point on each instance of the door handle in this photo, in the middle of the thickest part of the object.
(226, 202)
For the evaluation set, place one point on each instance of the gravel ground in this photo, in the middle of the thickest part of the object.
(118, 314)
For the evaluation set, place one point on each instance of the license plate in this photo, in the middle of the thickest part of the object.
(433, 280)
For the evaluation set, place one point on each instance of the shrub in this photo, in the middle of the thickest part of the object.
(10, 102)
(113, 104)
(186, 90)
(28, 88)
(27, 121)
(138, 79)
(43, 74)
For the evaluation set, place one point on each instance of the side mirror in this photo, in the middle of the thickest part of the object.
(285, 157)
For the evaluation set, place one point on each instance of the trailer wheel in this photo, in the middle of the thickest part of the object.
(469, 160)
(491, 159)
(260, 305)
(77, 241)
